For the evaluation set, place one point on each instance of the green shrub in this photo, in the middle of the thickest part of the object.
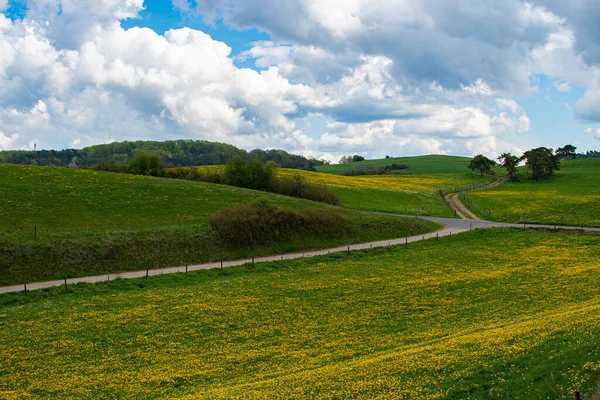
(250, 175)
(263, 223)
(298, 186)
(146, 164)
(258, 176)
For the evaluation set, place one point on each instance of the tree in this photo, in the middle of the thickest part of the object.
(146, 164)
(542, 162)
(568, 152)
(357, 158)
(481, 164)
(510, 162)
(250, 175)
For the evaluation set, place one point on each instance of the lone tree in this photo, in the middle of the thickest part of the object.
(568, 152)
(481, 164)
(510, 162)
(542, 163)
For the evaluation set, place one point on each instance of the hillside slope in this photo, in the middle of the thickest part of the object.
(515, 314)
(60, 222)
(429, 164)
(571, 197)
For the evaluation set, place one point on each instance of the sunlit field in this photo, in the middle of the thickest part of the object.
(431, 165)
(60, 223)
(400, 194)
(571, 197)
(487, 314)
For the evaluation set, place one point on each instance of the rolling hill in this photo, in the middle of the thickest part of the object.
(57, 222)
(571, 197)
(429, 164)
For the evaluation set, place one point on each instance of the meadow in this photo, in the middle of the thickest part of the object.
(486, 314)
(60, 222)
(571, 197)
(429, 164)
(399, 194)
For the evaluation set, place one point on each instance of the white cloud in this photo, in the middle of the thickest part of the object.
(562, 86)
(6, 141)
(422, 75)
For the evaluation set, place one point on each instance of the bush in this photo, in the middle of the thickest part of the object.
(399, 166)
(148, 164)
(372, 169)
(193, 174)
(110, 166)
(298, 186)
(258, 176)
(250, 175)
(263, 223)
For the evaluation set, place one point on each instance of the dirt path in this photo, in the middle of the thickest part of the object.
(461, 210)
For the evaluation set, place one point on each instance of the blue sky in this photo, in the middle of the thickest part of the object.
(322, 79)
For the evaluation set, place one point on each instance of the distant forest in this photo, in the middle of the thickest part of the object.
(172, 153)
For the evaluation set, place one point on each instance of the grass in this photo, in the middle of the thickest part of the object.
(400, 194)
(571, 197)
(430, 164)
(65, 201)
(93, 223)
(486, 314)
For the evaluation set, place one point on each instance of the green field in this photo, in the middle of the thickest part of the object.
(58, 222)
(571, 197)
(430, 164)
(400, 194)
(486, 314)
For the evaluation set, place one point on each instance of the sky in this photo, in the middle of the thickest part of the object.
(321, 78)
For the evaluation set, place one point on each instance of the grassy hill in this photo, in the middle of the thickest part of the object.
(60, 222)
(571, 197)
(430, 164)
(402, 194)
(514, 314)
(416, 194)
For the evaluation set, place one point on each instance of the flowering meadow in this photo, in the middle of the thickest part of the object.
(61, 222)
(571, 197)
(402, 193)
(486, 314)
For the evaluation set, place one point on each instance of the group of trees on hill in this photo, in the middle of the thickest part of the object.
(351, 159)
(171, 153)
(372, 169)
(542, 162)
(256, 175)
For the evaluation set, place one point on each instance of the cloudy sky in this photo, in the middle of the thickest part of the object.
(315, 77)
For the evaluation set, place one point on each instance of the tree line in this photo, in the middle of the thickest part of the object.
(115, 156)
(542, 162)
(256, 175)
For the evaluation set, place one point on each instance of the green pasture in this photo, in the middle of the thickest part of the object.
(59, 222)
(571, 197)
(494, 314)
(429, 164)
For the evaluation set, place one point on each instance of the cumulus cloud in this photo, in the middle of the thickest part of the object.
(408, 76)
(6, 141)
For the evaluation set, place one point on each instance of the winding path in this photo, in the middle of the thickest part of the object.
(461, 210)
(451, 226)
